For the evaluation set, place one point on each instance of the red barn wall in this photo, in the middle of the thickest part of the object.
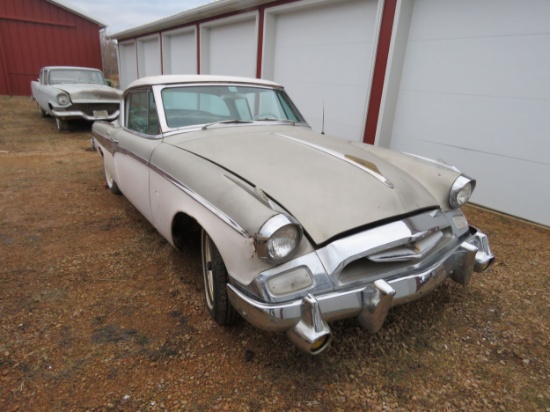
(36, 33)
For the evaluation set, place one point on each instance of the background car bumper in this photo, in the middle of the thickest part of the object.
(67, 115)
(305, 320)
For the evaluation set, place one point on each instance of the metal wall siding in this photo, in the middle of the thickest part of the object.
(37, 33)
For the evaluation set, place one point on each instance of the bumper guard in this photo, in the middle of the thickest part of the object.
(305, 320)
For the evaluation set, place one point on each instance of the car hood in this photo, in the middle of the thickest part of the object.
(330, 185)
(91, 92)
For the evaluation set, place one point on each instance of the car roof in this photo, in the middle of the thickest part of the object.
(198, 78)
(69, 67)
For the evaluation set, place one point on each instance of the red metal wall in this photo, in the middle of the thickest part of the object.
(37, 33)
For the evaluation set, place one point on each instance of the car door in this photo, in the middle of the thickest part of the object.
(135, 143)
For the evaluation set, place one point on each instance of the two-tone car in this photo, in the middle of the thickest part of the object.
(67, 93)
(298, 228)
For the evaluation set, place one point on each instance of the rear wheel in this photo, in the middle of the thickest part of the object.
(215, 283)
(111, 184)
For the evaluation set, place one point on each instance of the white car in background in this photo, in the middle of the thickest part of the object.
(67, 93)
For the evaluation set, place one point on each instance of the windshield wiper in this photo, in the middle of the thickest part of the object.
(232, 121)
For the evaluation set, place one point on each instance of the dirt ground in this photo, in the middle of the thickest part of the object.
(98, 312)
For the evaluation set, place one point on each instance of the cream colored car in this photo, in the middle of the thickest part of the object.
(298, 228)
(67, 93)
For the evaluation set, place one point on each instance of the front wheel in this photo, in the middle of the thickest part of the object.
(41, 111)
(215, 283)
(62, 125)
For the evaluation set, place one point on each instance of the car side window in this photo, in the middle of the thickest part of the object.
(141, 112)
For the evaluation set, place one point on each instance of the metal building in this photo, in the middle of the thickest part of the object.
(37, 33)
(463, 81)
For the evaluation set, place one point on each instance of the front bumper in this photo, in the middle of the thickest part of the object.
(77, 114)
(305, 320)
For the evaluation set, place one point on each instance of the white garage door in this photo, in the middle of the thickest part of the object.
(179, 52)
(475, 91)
(229, 47)
(128, 71)
(148, 50)
(323, 54)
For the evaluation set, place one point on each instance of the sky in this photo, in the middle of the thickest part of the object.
(121, 15)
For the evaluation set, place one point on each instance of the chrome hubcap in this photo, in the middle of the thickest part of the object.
(208, 275)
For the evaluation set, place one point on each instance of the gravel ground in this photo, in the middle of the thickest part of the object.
(98, 312)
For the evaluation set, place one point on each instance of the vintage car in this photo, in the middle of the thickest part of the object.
(298, 229)
(67, 93)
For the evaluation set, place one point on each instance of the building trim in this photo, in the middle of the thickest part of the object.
(379, 73)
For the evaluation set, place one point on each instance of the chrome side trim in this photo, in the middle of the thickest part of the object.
(217, 212)
(342, 157)
(113, 147)
(253, 191)
(106, 143)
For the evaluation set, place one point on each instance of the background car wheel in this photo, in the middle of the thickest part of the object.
(215, 281)
(41, 112)
(111, 184)
(62, 125)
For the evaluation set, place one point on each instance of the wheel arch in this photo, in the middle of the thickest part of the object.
(184, 229)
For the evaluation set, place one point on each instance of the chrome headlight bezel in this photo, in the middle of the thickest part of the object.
(63, 99)
(461, 191)
(278, 227)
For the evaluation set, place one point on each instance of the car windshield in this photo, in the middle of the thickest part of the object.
(197, 105)
(75, 76)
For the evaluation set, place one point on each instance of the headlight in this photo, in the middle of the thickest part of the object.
(461, 191)
(278, 239)
(63, 99)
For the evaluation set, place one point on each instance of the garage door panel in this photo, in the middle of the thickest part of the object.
(179, 51)
(356, 15)
(520, 188)
(504, 127)
(232, 49)
(326, 61)
(149, 57)
(470, 18)
(493, 66)
(329, 62)
(128, 63)
(475, 91)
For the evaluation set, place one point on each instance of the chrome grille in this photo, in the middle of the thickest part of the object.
(368, 270)
(89, 108)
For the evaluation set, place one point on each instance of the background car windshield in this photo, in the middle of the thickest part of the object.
(64, 76)
(194, 105)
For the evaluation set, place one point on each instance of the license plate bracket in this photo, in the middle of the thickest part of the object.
(100, 113)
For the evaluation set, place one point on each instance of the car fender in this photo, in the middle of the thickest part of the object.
(209, 194)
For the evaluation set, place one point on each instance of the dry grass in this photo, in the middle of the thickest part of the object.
(98, 312)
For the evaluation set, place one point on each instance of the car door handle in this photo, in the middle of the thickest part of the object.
(115, 141)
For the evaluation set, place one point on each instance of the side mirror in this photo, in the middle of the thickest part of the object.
(108, 82)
